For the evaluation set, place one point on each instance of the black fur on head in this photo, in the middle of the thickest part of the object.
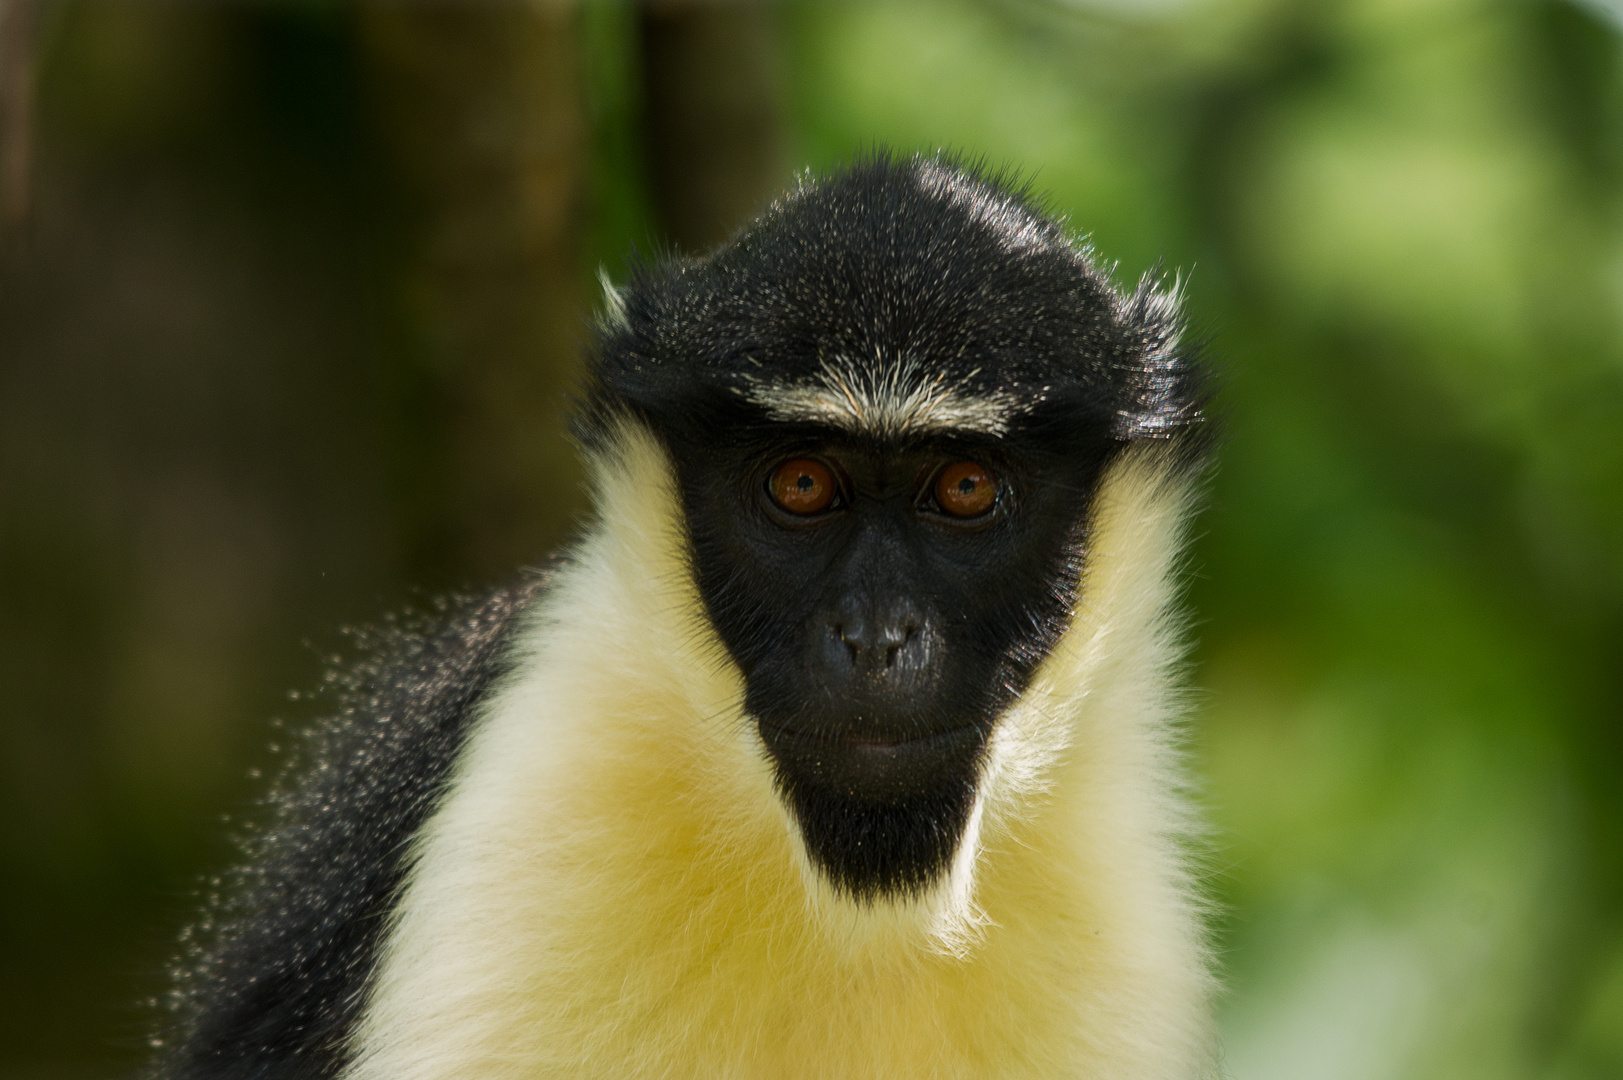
(885, 323)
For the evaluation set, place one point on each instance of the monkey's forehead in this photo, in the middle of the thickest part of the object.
(898, 298)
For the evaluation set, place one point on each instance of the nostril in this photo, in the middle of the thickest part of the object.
(851, 645)
(895, 643)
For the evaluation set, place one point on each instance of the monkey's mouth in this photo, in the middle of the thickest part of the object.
(876, 743)
(879, 766)
(862, 740)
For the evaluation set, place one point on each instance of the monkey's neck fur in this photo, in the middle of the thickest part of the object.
(613, 888)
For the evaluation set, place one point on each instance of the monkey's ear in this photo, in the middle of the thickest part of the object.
(1170, 389)
(614, 301)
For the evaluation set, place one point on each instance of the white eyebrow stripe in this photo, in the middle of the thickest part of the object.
(885, 401)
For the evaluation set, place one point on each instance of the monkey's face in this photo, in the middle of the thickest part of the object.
(889, 400)
(885, 604)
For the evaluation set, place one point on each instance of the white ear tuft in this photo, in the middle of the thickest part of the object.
(614, 301)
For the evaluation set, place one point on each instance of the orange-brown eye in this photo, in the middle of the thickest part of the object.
(802, 486)
(965, 489)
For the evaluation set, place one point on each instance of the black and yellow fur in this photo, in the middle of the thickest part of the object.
(563, 837)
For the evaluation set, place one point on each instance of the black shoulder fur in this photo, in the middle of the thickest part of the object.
(274, 974)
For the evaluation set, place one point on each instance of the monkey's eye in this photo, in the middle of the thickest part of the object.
(802, 486)
(965, 489)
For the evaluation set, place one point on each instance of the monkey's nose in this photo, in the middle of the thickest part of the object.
(876, 646)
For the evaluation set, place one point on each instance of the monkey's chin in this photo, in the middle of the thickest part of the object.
(879, 816)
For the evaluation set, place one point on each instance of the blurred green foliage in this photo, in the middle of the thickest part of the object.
(1399, 223)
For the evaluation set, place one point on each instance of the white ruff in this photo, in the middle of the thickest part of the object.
(612, 888)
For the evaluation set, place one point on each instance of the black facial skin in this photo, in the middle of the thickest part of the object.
(881, 639)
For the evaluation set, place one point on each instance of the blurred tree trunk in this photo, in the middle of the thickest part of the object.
(18, 19)
(714, 109)
(481, 106)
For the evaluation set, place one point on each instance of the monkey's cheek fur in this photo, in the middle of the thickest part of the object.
(875, 770)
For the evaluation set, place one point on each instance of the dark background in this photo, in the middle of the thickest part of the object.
(290, 302)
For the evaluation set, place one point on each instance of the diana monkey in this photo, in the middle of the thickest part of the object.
(842, 743)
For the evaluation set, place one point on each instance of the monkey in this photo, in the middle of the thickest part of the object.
(842, 743)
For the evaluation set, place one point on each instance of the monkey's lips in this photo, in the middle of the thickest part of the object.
(874, 742)
(875, 766)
